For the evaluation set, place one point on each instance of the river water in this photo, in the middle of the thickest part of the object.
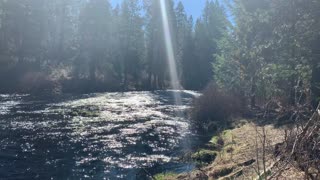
(127, 135)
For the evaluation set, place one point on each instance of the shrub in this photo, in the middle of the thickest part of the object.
(39, 83)
(214, 108)
(216, 142)
(204, 156)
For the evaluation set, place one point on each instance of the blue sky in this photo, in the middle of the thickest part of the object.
(193, 7)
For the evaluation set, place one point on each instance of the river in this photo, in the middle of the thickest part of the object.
(128, 135)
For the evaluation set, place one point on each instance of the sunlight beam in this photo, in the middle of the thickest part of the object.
(174, 80)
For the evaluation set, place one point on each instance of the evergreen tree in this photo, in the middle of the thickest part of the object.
(182, 32)
(209, 29)
(132, 41)
(156, 48)
(189, 61)
(95, 37)
(271, 49)
(22, 49)
(116, 49)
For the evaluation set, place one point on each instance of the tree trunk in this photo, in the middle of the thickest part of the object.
(315, 83)
(253, 92)
(149, 83)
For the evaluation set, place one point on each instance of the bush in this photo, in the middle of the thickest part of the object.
(39, 83)
(214, 108)
(204, 156)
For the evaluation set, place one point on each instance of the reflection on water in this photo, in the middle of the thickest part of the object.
(102, 136)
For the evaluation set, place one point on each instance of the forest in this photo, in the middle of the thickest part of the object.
(257, 60)
(78, 46)
(269, 48)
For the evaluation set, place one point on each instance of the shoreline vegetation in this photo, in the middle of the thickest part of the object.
(264, 142)
(232, 154)
(267, 73)
(239, 153)
(257, 63)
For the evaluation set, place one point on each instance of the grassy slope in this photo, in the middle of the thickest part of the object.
(236, 157)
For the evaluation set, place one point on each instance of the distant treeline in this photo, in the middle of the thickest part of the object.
(86, 46)
(271, 49)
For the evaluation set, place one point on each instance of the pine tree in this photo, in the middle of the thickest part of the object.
(94, 33)
(189, 61)
(272, 43)
(209, 30)
(132, 41)
(156, 48)
(183, 33)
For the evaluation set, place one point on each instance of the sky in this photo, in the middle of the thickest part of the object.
(192, 7)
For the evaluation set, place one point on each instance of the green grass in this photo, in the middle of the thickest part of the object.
(227, 134)
(214, 140)
(204, 155)
(165, 176)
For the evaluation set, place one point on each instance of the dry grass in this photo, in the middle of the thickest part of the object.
(247, 143)
(241, 157)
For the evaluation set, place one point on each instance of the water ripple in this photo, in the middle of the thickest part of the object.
(106, 135)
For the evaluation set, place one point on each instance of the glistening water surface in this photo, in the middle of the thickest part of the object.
(95, 136)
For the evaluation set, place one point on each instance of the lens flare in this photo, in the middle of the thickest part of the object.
(170, 52)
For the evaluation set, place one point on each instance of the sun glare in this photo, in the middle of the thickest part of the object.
(169, 51)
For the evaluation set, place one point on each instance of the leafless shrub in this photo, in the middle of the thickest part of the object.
(214, 107)
(302, 146)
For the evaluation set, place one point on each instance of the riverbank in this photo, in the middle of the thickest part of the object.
(240, 152)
